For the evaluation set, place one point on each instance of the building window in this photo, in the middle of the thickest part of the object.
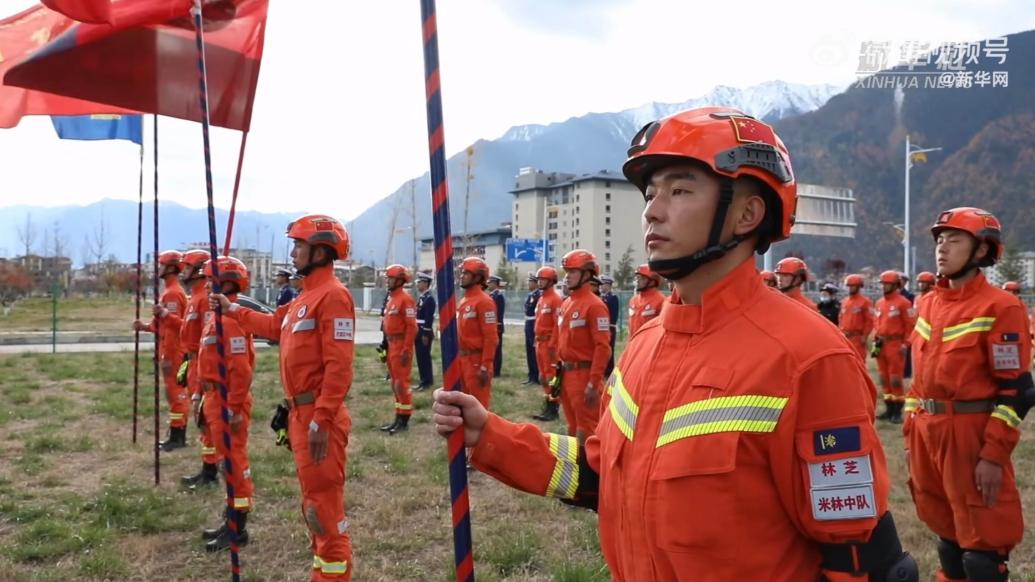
(607, 220)
(577, 196)
(607, 244)
(607, 256)
(576, 233)
(552, 226)
(607, 196)
(607, 232)
(607, 183)
(607, 208)
(553, 236)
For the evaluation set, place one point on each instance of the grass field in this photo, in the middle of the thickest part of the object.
(96, 314)
(77, 500)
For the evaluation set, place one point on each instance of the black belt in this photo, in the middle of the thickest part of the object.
(957, 406)
(576, 365)
(891, 338)
(300, 400)
(470, 352)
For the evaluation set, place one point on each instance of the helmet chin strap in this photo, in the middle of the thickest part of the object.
(310, 265)
(970, 265)
(582, 280)
(673, 269)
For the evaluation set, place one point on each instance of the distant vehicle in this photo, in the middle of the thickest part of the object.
(255, 305)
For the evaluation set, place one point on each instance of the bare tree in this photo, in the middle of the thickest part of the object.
(98, 242)
(27, 234)
(58, 243)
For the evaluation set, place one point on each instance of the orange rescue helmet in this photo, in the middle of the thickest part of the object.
(546, 272)
(398, 272)
(644, 271)
(768, 276)
(1012, 286)
(230, 270)
(320, 229)
(581, 260)
(978, 223)
(890, 277)
(793, 266)
(171, 259)
(476, 266)
(854, 280)
(926, 277)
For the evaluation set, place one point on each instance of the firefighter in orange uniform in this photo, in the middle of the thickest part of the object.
(971, 388)
(791, 274)
(239, 354)
(191, 324)
(1013, 287)
(400, 328)
(895, 321)
(316, 332)
(646, 304)
(172, 302)
(583, 344)
(857, 316)
(476, 327)
(736, 440)
(546, 312)
(925, 282)
(769, 278)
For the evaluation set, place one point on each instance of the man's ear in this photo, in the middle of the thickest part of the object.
(748, 209)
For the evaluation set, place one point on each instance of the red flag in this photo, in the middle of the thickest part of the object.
(748, 129)
(97, 11)
(146, 60)
(20, 35)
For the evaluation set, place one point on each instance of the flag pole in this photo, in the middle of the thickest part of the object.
(233, 200)
(199, 37)
(154, 290)
(136, 333)
(462, 543)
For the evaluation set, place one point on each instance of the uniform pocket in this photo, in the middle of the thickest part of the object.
(692, 492)
(1000, 526)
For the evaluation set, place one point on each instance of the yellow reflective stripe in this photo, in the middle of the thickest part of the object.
(329, 567)
(747, 413)
(911, 404)
(1006, 414)
(175, 416)
(565, 478)
(242, 502)
(978, 324)
(623, 408)
(208, 450)
(923, 328)
(404, 407)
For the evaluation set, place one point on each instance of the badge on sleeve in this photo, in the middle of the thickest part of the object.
(603, 323)
(238, 345)
(344, 328)
(490, 317)
(1006, 356)
(836, 440)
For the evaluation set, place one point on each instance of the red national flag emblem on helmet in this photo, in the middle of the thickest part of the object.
(751, 130)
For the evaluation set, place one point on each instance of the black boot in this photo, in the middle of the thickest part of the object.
(208, 475)
(896, 413)
(542, 413)
(551, 412)
(391, 426)
(402, 424)
(222, 540)
(211, 533)
(889, 406)
(177, 439)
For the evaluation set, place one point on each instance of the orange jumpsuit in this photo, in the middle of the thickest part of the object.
(796, 294)
(170, 351)
(546, 337)
(895, 320)
(718, 463)
(856, 321)
(316, 332)
(400, 329)
(239, 353)
(190, 339)
(965, 342)
(644, 306)
(583, 346)
(476, 326)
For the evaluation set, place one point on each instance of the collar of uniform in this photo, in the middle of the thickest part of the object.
(398, 290)
(198, 286)
(946, 293)
(474, 290)
(717, 304)
(582, 291)
(317, 277)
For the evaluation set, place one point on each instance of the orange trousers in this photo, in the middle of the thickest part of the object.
(547, 372)
(892, 363)
(323, 494)
(943, 451)
(241, 478)
(175, 395)
(400, 375)
(209, 453)
(469, 367)
(582, 417)
(859, 343)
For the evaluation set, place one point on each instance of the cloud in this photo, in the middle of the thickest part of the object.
(589, 19)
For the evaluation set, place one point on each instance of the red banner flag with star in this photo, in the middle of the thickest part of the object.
(20, 36)
(145, 59)
(749, 129)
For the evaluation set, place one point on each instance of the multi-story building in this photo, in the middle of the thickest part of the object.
(46, 270)
(1027, 260)
(599, 212)
(489, 245)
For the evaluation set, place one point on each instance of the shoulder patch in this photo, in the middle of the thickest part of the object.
(603, 323)
(1011, 337)
(344, 329)
(238, 345)
(836, 440)
(490, 316)
(1006, 356)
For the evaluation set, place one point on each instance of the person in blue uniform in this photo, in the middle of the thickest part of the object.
(531, 301)
(611, 301)
(425, 331)
(287, 293)
(501, 306)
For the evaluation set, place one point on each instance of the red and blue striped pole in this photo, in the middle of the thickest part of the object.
(231, 512)
(462, 552)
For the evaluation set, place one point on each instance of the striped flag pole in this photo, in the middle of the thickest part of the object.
(463, 556)
(154, 280)
(140, 277)
(199, 36)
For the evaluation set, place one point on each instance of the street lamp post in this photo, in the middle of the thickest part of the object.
(911, 153)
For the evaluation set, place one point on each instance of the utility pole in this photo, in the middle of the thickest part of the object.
(413, 215)
(914, 153)
(467, 197)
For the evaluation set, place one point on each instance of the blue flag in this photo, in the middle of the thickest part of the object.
(94, 127)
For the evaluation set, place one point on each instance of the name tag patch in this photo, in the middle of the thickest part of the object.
(603, 323)
(841, 473)
(490, 317)
(411, 312)
(173, 307)
(344, 328)
(577, 323)
(843, 503)
(469, 315)
(1006, 356)
(238, 345)
(836, 440)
